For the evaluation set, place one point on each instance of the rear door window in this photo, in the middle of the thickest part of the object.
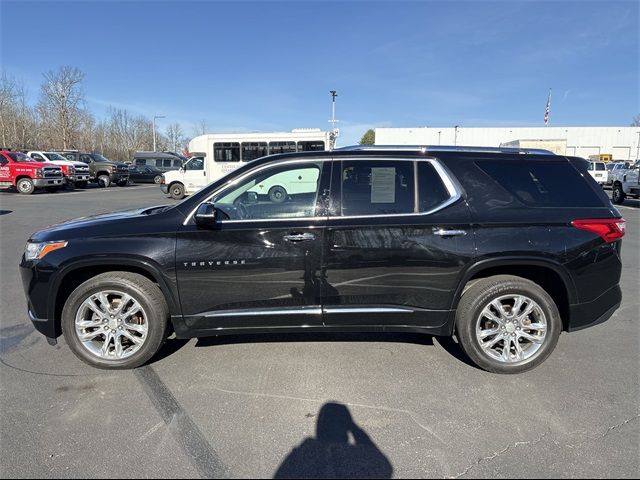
(542, 183)
(377, 187)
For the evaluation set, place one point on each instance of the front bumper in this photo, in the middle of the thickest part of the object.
(35, 282)
(79, 177)
(164, 188)
(599, 310)
(119, 176)
(47, 182)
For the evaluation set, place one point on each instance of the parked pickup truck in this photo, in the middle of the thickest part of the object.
(626, 183)
(76, 174)
(101, 170)
(26, 174)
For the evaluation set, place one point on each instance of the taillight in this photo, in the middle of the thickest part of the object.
(610, 229)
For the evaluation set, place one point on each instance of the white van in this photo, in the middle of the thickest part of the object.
(598, 170)
(221, 153)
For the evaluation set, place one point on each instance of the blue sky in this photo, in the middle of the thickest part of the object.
(270, 65)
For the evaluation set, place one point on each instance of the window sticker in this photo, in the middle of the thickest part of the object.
(383, 185)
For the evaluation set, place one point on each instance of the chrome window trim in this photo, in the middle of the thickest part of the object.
(452, 187)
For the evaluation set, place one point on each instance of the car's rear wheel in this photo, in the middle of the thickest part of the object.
(507, 324)
(177, 191)
(122, 183)
(277, 194)
(157, 179)
(617, 195)
(25, 186)
(116, 320)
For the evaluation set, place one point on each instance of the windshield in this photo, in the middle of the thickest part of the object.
(54, 156)
(21, 157)
(99, 158)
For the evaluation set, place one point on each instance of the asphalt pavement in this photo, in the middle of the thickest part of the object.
(378, 405)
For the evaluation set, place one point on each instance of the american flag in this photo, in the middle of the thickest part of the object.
(547, 109)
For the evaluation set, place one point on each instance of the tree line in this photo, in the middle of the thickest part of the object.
(60, 120)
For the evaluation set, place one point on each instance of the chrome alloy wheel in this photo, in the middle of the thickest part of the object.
(511, 328)
(111, 325)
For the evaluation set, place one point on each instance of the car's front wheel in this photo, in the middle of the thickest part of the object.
(104, 181)
(115, 320)
(177, 191)
(25, 186)
(507, 324)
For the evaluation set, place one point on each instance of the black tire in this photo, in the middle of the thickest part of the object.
(144, 291)
(82, 184)
(176, 191)
(277, 194)
(618, 195)
(479, 295)
(122, 183)
(104, 181)
(25, 186)
(157, 179)
(52, 189)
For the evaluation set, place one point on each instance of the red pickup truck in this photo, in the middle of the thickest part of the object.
(25, 174)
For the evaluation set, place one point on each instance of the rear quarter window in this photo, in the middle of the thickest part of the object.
(542, 183)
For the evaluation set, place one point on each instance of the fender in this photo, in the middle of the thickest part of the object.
(485, 264)
(143, 263)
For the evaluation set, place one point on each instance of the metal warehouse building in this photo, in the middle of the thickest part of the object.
(623, 143)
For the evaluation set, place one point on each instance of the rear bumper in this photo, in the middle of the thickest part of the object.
(599, 310)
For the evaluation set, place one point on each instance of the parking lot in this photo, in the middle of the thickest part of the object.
(383, 405)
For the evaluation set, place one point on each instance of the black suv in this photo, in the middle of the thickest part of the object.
(502, 248)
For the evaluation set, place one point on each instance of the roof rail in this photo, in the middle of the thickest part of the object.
(445, 148)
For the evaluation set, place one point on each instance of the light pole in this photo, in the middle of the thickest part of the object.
(439, 132)
(455, 138)
(154, 129)
(333, 136)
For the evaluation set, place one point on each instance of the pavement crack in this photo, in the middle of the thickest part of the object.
(614, 427)
(499, 453)
(409, 413)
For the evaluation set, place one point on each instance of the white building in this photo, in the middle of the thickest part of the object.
(622, 142)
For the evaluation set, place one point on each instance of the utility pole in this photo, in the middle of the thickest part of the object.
(154, 129)
(455, 138)
(333, 135)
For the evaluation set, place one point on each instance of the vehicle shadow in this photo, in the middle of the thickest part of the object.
(447, 343)
(340, 449)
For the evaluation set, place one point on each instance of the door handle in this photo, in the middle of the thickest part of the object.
(441, 232)
(299, 237)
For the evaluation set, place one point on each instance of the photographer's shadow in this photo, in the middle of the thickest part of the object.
(340, 449)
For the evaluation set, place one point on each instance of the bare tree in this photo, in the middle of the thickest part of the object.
(61, 101)
(636, 121)
(200, 128)
(175, 136)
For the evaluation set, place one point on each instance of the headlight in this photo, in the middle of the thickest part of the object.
(72, 170)
(38, 250)
(39, 173)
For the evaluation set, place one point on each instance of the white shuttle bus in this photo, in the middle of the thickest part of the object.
(216, 154)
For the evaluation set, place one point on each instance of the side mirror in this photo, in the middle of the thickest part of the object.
(181, 170)
(206, 215)
(252, 197)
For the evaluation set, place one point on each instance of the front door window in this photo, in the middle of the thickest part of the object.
(284, 191)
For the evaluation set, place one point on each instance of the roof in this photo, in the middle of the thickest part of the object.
(445, 148)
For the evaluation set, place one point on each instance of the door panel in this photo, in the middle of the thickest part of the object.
(394, 269)
(249, 271)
